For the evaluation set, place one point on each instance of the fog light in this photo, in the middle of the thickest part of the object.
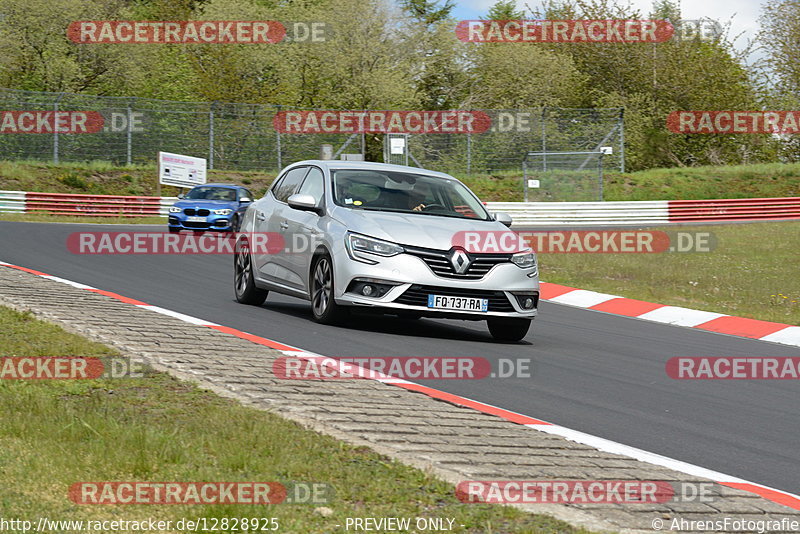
(367, 290)
(528, 303)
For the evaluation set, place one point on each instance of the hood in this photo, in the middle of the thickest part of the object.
(427, 231)
(209, 204)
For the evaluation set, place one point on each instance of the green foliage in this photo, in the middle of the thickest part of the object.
(504, 10)
(380, 57)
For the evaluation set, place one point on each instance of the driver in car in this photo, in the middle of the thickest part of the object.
(416, 197)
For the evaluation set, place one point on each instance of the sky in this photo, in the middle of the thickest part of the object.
(743, 14)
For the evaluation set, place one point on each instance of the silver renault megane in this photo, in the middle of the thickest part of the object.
(388, 239)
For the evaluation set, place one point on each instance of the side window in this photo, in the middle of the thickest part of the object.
(289, 183)
(314, 184)
(245, 193)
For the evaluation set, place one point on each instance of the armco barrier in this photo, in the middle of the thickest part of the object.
(84, 205)
(643, 213)
(649, 212)
(584, 213)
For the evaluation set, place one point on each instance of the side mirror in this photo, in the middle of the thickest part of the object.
(245, 199)
(504, 218)
(181, 196)
(303, 202)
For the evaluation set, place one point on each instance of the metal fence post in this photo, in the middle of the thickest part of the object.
(544, 139)
(469, 154)
(622, 140)
(525, 178)
(600, 171)
(211, 135)
(129, 136)
(55, 130)
(278, 142)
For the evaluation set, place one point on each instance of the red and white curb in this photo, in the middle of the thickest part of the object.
(673, 315)
(552, 292)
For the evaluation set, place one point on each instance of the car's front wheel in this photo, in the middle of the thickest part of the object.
(244, 285)
(503, 329)
(324, 308)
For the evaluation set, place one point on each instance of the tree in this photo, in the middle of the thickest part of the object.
(504, 10)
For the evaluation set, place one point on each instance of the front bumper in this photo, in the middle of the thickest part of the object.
(220, 223)
(412, 280)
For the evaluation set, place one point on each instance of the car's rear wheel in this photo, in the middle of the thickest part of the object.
(323, 306)
(244, 285)
(503, 329)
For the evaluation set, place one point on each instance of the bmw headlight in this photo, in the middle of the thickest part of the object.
(223, 212)
(174, 209)
(361, 247)
(524, 260)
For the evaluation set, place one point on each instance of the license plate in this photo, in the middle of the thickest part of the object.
(443, 302)
(196, 219)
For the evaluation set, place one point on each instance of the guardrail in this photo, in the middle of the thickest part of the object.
(84, 205)
(648, 212)
(524, 213)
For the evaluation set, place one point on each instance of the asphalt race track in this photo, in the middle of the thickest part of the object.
(597, 373)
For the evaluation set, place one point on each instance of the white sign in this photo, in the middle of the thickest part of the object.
(397, 145)
(180, 170)
(607, 150)
(533, 184)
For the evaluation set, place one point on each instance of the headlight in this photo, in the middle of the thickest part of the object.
(173, 209)
(361, 247)
(223, 212)
(524, 260)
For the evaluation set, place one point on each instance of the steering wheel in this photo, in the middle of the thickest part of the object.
(433, 206)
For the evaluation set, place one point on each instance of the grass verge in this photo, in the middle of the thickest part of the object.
(40, 217)
(688, 183)
(752, 272)
(156, 428)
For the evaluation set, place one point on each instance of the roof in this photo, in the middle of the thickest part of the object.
(370, 165)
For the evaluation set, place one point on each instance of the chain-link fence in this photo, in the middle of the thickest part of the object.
(242, 136)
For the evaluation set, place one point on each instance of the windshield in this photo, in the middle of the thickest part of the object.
(211, 193)
(405, 193)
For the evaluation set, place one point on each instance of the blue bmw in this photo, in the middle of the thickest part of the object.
(217, 207)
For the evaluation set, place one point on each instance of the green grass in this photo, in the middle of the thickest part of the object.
(41, 217)
(156, 428)
(741, 181)
(752, 272)
(103, 178)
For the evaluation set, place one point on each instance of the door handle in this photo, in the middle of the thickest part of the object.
(284, 225)
(260, 216)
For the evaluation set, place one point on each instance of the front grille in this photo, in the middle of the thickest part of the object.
(439, 262)
(189, 224)
(201, 213)
(417, 295)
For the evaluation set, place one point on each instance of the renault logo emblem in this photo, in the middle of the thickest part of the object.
(459, 260)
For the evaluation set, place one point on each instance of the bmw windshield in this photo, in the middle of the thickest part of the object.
(211, 193)
(405, 193)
